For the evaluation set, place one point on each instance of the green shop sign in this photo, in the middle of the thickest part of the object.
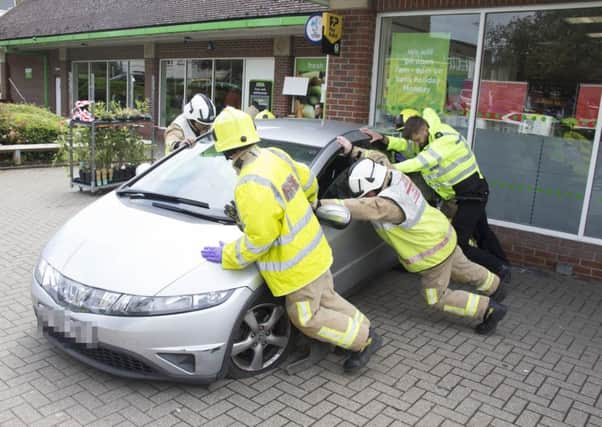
(417, 71)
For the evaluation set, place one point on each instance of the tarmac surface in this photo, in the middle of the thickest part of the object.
(543, 366)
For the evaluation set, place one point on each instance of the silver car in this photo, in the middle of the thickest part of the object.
(122, 285)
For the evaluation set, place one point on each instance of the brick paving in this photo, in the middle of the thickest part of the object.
(542, 367)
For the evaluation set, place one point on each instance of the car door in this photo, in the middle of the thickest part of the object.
(358, 251)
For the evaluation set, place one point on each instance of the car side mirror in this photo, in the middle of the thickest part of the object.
(142, 167)
(336, 216)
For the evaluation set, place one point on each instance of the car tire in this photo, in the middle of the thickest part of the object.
(262, 338)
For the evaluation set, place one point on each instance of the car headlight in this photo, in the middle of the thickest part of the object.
(78, 297)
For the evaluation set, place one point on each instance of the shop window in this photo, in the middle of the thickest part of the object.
(181, 79)
(538, 102)
(228, 84)
(593, 227)
(310, 106)
(136, 80)
(98, 75)
(81, 76)
(109, 81)
(427, 61)
(199, 77)
(172, 89)
(118, 82)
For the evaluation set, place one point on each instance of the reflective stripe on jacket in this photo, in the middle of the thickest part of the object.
(281, 233)
(425, 238)
(408, 148)
(446, 161)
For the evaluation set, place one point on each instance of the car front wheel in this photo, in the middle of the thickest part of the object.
(262, 339)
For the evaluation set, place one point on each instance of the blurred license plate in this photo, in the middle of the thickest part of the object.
(59, 321)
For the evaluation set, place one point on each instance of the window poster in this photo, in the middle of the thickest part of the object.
(499, 100)
(588, 105)
(311, 106)
(260, 94)
(417, 71)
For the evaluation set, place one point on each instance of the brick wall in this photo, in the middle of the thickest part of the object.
(536, 250)
(32, 89)
(106, 52)
(283, 66)
(223, 49)
(303, 48)
(349, 75)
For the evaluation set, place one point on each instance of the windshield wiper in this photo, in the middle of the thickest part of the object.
(221, 220)
(136, 194)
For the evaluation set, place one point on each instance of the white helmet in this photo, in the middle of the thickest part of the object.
(200, 109)
(366, 175)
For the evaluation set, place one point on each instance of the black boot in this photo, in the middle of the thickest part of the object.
(499, 294)
(504, 273)
(359, 359)
(495, 312)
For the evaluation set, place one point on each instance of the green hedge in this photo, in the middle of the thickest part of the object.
(29, 124)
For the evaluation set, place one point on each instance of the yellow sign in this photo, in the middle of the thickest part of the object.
(332, 26)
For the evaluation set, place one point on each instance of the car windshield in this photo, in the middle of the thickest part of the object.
(204, 175)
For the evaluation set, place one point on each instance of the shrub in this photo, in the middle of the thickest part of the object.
(29, 124)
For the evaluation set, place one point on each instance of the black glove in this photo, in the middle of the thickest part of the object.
(232, 213)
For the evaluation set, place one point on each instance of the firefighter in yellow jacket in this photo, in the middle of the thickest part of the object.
(448, 165)
(274, 197)
(425, 242)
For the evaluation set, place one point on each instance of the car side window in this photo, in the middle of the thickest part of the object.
(333, 178)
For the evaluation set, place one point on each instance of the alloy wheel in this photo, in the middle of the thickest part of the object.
(262, 339)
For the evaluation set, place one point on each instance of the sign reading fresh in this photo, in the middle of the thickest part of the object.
(417, 71)
(311, 106)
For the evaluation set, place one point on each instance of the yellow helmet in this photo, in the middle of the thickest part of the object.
(233, 129)
(404, 115)
(265, 114)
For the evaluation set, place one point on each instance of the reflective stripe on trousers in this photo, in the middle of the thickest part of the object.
(304, 310)
(431, 296)
(470, 310)
(345, 338)
(487, 283)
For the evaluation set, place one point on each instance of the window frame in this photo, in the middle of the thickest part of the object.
(483, 12)
(186, 62)
(129, 87)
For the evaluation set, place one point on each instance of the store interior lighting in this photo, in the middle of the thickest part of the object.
(584, 20)
(595, 35)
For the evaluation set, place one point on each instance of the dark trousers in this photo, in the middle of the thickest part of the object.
(471, 221)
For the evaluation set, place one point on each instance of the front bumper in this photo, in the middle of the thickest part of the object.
(189, 347)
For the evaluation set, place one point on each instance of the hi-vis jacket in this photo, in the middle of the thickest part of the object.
(420, 234)
(445, 161)
(281, 233)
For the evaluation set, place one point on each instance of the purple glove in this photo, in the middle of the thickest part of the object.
(213, 253)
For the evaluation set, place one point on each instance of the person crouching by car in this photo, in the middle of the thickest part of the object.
(425, 242)
(274, 196)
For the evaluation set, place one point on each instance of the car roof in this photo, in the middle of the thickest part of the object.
(303, 131)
